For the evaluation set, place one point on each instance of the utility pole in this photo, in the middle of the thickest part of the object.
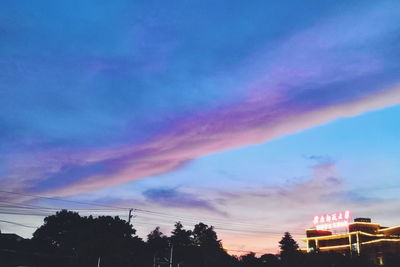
(170, 257)
(130, 216)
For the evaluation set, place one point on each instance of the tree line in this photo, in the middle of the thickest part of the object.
(67, 239)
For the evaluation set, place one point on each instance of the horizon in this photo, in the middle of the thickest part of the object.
(250, 117)
(335, 230)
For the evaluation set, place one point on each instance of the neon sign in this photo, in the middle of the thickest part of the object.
(333, 220)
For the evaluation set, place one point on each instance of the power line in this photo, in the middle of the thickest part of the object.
(123, 208)
(219, 229)
(23, 205)
(24, 214)
(244, 231)
(213, 221)
(163, 221)
(216, 225)
(19, 224)
(65, 200)
(144, 212)
(23, 225)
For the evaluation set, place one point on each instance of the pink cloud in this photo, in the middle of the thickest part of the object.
(313, 77)
(199, 136)
(291, 207)
(256, 217)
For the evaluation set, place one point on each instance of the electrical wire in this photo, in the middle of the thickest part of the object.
(137, 210)
(146, 213)
(18, 224)
(65, 200)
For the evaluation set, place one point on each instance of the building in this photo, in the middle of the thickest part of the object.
(15, 250)
(361, 237)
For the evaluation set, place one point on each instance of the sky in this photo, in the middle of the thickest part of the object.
(252, 117)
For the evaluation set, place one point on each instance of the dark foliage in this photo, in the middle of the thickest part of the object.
(68, 240)
(290, 255)
(72, 240)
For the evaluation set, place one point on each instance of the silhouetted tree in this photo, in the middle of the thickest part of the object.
(181, 237)
(110, 239)
(158, 245)
(209, 252)
(269, 260)
(250, 260)
(156, 240)
(57, 240)
(66, 239)
(205, 236)
(72, 240)
(183, 244)
(60, 233)
(290, 255)
(288, 245)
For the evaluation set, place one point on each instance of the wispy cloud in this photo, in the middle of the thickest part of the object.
(310, 78)
(172, 197)
(292, 205)
(202, 135)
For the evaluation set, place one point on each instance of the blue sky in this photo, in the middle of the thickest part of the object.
(224, 112)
